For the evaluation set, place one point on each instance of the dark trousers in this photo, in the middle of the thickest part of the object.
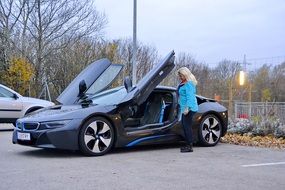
(187, 126)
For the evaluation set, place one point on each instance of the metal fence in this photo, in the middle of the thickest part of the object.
(251, 110)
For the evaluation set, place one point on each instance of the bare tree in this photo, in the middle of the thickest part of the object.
(261, 81)
(224, 78)
(278, 82)
(200, 70)
(120, 51)
(146, 58)
(10, 11)
(69, 61)
(77, 55)
(52, 25)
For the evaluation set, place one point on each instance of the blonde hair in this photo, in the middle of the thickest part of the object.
(187, 74)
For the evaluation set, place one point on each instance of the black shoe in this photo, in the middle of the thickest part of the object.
(187, 148)
(182, 149)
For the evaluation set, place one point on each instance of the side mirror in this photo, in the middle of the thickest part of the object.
(128, 83)
(82, 88)
(15, 96)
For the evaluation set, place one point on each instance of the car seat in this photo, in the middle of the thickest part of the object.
(153, 113)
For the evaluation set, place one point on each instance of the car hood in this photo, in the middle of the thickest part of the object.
(63, 112)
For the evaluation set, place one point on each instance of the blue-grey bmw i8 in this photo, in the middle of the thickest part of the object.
(94, 118)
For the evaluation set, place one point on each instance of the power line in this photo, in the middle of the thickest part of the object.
(254, 63)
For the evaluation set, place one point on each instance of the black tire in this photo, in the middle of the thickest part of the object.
(96, 137)
(210, 130)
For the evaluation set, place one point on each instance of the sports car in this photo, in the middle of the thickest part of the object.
(94, 118)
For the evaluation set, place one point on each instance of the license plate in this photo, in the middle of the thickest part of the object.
(24, 136)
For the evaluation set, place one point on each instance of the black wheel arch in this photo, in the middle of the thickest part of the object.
(31, 109)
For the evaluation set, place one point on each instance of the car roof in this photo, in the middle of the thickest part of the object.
(170, 88)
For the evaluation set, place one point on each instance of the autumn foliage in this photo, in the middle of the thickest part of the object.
(19, 75)
(248, 140)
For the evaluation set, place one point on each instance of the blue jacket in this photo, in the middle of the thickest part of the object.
(187, 97)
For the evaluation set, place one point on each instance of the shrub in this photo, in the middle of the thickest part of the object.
(240, 126)
(265, 127)
(280, 131)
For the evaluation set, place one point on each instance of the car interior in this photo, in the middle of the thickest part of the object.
(155, 112)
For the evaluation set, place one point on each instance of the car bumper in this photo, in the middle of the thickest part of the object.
(61, 138)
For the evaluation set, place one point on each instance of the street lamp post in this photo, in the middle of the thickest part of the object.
(134, 66)
(241, 83)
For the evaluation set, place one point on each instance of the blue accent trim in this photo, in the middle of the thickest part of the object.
(161, 112)
(137, 141)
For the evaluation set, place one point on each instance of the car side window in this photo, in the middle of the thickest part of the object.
(5, 93)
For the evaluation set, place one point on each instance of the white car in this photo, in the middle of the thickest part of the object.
(14, 106)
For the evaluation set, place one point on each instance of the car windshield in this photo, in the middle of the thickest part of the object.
(5, 93)
(109, 97)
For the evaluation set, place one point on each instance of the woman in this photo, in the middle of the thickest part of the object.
(188, 104)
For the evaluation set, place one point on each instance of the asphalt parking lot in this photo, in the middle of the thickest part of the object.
(153, 167)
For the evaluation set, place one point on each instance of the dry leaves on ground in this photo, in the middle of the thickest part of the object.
(260, 141)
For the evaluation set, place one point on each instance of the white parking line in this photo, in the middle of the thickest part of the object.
(264, 164)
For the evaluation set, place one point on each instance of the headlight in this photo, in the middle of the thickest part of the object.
(19, 125)
(55, 124)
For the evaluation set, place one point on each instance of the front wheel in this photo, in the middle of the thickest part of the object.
(210, 130)
(96, 137)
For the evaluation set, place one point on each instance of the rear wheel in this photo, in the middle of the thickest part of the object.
(96, 137)
(210, 130)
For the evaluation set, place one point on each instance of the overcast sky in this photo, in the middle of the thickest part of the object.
(210, 30)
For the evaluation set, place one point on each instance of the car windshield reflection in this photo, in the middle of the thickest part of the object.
(105, 79)
(109, 97)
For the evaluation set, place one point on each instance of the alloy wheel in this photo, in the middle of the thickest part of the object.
(210, 130)
(98, 136)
